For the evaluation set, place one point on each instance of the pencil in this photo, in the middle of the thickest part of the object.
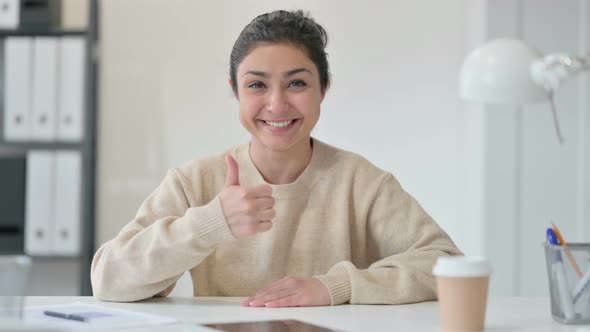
(567, 251)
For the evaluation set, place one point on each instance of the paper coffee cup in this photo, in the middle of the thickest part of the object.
(462, 287)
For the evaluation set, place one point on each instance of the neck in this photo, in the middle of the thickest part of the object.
(281, 167)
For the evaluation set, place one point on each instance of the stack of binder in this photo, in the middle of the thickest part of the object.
(44, 103)
(53, 203)
(44, 89)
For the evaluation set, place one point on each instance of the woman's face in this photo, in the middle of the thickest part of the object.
(279, 95)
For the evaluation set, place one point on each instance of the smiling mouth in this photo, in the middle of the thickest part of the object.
(279, 124)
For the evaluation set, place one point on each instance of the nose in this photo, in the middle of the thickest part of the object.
(278, 101)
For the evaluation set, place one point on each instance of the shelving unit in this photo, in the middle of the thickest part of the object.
(49, 269)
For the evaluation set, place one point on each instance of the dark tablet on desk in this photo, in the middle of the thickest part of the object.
(269, 326)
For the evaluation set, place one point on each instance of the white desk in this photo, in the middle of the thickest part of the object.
(503, 314)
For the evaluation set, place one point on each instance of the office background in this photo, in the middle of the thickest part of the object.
(493, 177)
(47, 140)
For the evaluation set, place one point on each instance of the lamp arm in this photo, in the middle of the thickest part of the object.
(552, 70)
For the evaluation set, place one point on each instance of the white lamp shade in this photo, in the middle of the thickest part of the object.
(499, 72)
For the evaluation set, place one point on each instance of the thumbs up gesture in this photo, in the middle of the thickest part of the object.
(248, 211)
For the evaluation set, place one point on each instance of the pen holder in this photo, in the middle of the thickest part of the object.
(568, 269)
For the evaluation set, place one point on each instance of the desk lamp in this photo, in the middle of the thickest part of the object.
(508, 71)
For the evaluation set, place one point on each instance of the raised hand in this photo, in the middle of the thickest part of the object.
(291, 292)
(248, 211)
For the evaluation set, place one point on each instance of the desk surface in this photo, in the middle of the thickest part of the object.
(503, 314)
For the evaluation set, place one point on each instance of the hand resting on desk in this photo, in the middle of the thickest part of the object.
(291, 292)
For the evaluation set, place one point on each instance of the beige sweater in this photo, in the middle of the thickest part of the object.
(343, 220)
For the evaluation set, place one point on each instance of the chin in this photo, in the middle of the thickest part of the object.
(280, 145)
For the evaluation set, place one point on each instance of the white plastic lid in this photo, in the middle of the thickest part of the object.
(462, 266)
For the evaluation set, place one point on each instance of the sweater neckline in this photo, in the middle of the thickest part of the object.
(282, 191)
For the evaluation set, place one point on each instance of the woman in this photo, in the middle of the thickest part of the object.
(284, 219)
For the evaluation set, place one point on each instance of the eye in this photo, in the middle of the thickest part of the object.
(257, 85)
(297, 84)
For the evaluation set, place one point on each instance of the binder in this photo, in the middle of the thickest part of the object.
(71, 89)
(9, 14)
(67, 203)
(39, 204)
(18, 85)
(45, 62)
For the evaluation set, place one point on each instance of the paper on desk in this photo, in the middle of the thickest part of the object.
(99, 317)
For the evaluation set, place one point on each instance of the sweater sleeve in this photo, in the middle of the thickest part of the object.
(405, 242)
(166, 238)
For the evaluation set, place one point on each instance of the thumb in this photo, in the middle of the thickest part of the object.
(233, 173)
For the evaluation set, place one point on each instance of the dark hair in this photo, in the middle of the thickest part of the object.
(293, 27)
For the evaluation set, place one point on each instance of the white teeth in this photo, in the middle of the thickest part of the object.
(279, 124)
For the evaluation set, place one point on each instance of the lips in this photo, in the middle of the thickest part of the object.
(280, 125)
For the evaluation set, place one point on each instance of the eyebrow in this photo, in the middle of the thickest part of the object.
(287, 74)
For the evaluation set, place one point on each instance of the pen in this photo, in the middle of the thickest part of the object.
(65, 316)
(554, 241)
(565, 297)
(552, 237)
(567, 251)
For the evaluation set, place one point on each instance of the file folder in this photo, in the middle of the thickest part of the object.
(71, 89)
(39, 204)
(67, 203)
(17, 88)
(9, 14)
(45, 62)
